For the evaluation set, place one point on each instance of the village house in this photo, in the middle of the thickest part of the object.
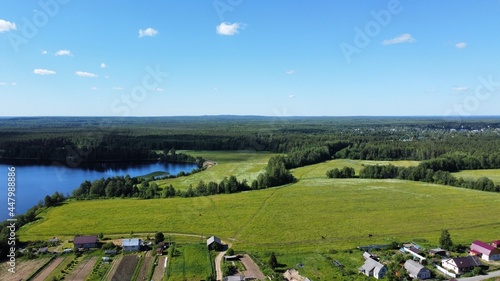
(438, 252)
(131, 245)
(85, 242)
(416, 270)
(373, 268)
(215, 243)
(496, 243)
(461, 265)
(485, 251)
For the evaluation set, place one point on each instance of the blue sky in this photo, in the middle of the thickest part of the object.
(274, 58)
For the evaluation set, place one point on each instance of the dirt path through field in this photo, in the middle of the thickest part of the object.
(47, 270)
(113, 268)
(145, 266)
(159, 269)
(83, 270)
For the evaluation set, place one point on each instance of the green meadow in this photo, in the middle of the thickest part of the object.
(242, 164)
(319, 170)
(492, 174)
(313, 221)
(189, 262)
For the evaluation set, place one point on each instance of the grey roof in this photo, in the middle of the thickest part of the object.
(371, 264)
(131, 242)
(413, 267)
(214, 239)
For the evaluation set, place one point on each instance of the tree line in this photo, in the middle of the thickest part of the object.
(424, 174)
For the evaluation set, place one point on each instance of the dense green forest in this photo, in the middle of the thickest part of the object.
(443, 146)
(75, 140)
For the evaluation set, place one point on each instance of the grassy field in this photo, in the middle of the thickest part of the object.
(242, 164)
(319, 170)
(493, 174)
(301, 222)
(189, 262)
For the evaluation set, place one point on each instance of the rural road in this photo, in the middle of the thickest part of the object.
(218, 262)
(482, 277)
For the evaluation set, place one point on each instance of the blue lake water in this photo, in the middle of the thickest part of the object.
(33, 182)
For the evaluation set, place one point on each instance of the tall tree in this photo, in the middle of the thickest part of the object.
(445, 240)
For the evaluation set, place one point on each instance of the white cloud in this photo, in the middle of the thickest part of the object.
(403, 38)
(94, 88)
(228, 29)
(13, 84)
(461, 45)
(44, 52)
(85, 74)
(103, 65)
(147, 32)
(460, 89)
(63, 53)
(117, 88)
(41, 71)
(6, 26)
(290, 72)
(158, 90)
(291, 96)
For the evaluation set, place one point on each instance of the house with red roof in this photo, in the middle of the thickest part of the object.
(485, 251)
(85, 242)
(496, 243)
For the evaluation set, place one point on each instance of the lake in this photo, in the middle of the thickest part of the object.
(34, 182)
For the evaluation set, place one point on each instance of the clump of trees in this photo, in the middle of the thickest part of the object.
(345, 172)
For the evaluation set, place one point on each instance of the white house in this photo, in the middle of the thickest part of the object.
(416, 270)
(485, 251)
(373, 268)
(461, 265)
(130, 245)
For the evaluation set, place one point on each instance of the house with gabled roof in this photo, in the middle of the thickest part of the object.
(496, 243)
(485, 251)
(131, 245)
(416, 270)
(215, 243)
(462, 264)
(373, 268)
(85, 242)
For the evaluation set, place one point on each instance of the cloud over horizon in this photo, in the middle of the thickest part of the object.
(41, 71)
(228, 29)
(403, 38)
(85, 74)
(147, 32)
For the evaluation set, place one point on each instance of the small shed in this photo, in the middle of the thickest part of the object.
(131, 245)
(215, 243)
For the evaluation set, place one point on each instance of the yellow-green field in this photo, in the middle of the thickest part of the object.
(493, 174)
(315, 213)
(242, 164)
(301, 222)
(319, 170)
